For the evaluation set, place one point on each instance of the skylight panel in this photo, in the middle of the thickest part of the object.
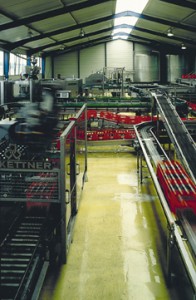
(130, 21)
(130, 5)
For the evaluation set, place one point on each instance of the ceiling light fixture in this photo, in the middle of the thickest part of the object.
(183, 47)
(82, 32)
(170, 32)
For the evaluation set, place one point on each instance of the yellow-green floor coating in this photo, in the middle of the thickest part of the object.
(118, 243)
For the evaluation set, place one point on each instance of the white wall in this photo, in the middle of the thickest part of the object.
(92, 60)
(115, 54)
(119, 54)
(175, 67)
(48, 68)
(146, 64)
(135, 58)
(66, 65)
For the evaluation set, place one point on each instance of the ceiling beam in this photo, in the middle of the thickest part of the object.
(11, 46)
(163, 21)
(78, 46)
(48, 14)
(86, 4)
(182, 3)
(59, 31)
(70, 40)
(76, 38)
(165, 48)
(92, 34)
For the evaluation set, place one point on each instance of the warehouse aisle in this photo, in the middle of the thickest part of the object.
(118, 245)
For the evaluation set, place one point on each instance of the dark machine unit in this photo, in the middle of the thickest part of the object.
(42, 174)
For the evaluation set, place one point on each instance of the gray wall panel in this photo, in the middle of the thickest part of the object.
(48, 68)
(175, 67)
(120, 54)
(92, 60)
(179, 65)
(66, 65)
(143, 62)
(146, 64)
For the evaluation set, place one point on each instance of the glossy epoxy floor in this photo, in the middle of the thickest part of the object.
(118, 249)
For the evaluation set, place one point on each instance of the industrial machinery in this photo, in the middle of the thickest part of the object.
(43, 169)
(116, 80)
(74, 85)
(174, 181)
(27, 88)
(40, 192)
(36, 122)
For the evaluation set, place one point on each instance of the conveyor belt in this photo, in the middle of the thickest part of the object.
(154, 149)
(150, 147)
(188, 222)
(157, 153)
(21, 258)
(179, 134)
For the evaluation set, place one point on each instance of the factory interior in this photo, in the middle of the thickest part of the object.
(97, 150)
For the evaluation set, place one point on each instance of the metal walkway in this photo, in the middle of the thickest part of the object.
(179, 135)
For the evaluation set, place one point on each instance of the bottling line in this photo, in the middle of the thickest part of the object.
(43, 171)
(44, 135)
(174, 181)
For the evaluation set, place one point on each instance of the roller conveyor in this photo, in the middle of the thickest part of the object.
(40, 180)
(21, 258)
(182, 231)
(156, 152)
(179, 134)
(188, 222)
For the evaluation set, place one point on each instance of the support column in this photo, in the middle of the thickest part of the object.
(170, 246)
(6, 62)
(52, 64)
(163, 68)
(28, 60)
(78, 57)
(43, 67)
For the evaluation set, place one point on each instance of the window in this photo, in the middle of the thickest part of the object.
(39, 63)
(1, 63)
(17, 64)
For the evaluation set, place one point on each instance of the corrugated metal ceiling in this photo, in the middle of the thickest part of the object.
(42, 26)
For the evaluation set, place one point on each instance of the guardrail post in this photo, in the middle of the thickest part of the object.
(170, 245)
(140, 169)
